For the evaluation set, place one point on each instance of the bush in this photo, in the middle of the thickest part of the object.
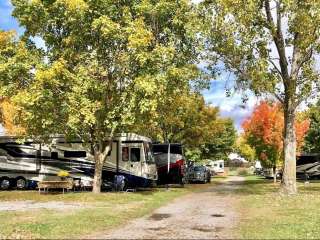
(242, 172)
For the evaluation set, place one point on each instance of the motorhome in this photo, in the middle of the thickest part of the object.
(24, 164)
(308, 166)
(170, 163)
(216, 167)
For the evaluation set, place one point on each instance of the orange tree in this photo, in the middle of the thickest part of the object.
(263, 130)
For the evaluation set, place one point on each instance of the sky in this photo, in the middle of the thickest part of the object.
(216, 96)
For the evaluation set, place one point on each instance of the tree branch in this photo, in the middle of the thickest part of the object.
(277, 35)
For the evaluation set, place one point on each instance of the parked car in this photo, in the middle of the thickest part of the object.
(199, 174)
(269, 173)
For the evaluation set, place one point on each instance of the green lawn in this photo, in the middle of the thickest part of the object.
(265, 214)
(101, 212)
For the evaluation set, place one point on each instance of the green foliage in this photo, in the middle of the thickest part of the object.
(221, 139)
(187, 119)
(312, 139)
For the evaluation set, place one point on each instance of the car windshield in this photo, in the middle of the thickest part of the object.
(198, 168)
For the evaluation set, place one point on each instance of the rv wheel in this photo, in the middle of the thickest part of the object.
(4, 183)
(21, 183)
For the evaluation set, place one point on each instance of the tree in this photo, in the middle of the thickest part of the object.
(270, 46)
(312, 139)
(263, 130)
(8, 113)
(18, 59)
(104, 62)
(187, 119)
(221, 138)
(244, 149)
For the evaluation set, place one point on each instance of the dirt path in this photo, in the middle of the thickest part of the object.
(202, 215)
(29, 205)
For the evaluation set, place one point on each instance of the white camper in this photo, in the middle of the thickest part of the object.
(216, 166)
(21, 164)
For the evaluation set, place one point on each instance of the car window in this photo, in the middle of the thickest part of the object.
(198, 168)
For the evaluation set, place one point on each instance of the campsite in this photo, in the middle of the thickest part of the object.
(159, 119)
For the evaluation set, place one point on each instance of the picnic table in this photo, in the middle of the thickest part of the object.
(62, 184)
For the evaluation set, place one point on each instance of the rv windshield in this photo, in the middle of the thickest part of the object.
(149, 152)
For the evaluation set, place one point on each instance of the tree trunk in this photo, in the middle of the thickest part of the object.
(97, 180)
(289, 185)
(99, 159)
(274, 174)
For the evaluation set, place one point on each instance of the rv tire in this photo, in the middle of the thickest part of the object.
(21, 183)
(5, 183)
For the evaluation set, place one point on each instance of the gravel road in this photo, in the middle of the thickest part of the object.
(203, 215)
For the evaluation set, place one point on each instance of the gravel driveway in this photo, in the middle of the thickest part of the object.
(202, 215)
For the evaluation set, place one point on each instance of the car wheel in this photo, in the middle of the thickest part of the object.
(4, 183)
(21, 183)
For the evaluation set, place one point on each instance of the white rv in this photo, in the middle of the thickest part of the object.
(27, 163)
(216, 167)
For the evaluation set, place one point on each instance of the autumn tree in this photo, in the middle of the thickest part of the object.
(187, 119)
(271, 47)
(263, 130)
(8, 113)
(244, 149)
(105, 60)
(18, 59)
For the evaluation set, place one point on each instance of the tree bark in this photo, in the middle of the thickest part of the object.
(99, 159)
(97, 180)
(289, 185)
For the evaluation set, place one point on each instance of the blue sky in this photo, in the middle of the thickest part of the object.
(229, 106)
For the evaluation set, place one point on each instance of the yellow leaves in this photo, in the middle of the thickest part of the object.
(6, 38)
(139, 35)
(73, 5)
(106, 27)
(147, 84)
(9, 113)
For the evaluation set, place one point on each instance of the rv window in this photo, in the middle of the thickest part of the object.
(21, 152)
(135, 154)
(76, 154)
(125, 154)
(54, 155)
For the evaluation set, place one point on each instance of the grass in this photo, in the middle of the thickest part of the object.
(265, 214)
(101, 212)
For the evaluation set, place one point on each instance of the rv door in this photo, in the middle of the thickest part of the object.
(135, 160)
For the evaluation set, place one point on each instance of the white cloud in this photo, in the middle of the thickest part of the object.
(232, 107)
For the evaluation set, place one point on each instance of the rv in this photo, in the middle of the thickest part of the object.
(216, 167)
(308, 166)
(170, 163)
(22, 165)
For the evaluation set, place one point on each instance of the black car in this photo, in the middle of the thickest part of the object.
(199, 174)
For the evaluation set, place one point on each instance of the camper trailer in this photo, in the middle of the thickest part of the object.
(24, 164)
(216, 167)
(308, 166)
(170, 163)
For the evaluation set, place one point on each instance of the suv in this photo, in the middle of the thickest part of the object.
(199, 174)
